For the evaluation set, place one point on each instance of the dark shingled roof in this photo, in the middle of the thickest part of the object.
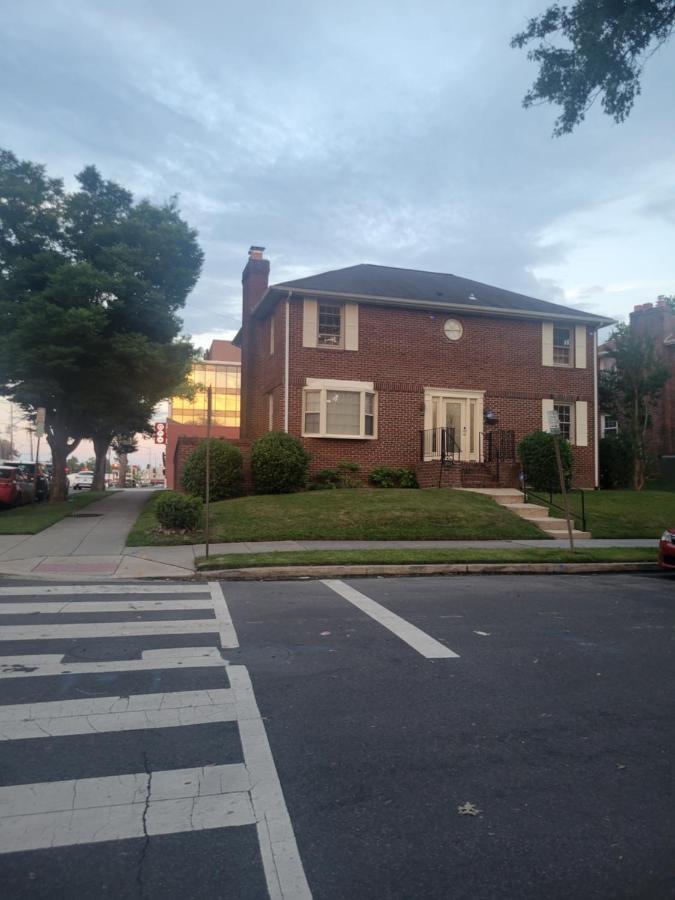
(414, 288)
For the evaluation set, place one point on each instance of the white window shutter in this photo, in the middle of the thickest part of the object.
(581, 423)
(580, 346)
(351, 326)
(547, 343)
(546, 407)
(310, 323)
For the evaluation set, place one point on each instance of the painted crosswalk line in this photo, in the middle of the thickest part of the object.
(38, 590)
(89, 810)
(52, 663)
(107, 629)
(94, 715)
(139, 604)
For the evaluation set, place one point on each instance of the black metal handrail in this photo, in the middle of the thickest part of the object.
(498, 445)
(439, 444)
(530, 495)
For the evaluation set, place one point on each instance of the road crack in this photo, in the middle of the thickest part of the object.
(146, 842)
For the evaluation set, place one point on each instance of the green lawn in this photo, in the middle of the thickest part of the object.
(623, 514)
(398, 557)
(31, 519)
(362, 514)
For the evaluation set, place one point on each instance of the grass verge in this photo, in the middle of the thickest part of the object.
(31, 519)
(402, 557)
(361, 514)
(623, 514)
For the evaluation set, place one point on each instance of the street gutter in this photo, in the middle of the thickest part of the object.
(282, 573)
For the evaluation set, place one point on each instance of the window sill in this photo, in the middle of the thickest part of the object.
(343, 437)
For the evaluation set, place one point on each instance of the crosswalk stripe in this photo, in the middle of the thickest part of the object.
(142, 604)
(46, 590)
(107, 629)
(228, 635)
(100, 714)
(52, 663)
(88, 810)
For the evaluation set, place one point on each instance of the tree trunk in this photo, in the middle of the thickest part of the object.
(124, 461)
(101, 445)
(57, 438)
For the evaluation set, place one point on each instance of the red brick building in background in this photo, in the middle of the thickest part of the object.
(186, 423)
(373, 364)
(656, 322)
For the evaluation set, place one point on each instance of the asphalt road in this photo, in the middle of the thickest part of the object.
(502, 736)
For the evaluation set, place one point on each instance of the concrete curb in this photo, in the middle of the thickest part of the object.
(282, 573)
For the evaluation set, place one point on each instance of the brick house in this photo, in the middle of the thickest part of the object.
(388, 366)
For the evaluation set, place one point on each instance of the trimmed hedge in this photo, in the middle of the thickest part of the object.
(178, 511)
(226, 475)
(278, 464)
(389, 477)
(537, 456)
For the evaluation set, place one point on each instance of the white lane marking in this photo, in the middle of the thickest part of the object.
(228, 635)
(413, 636)
(106, 629)
(98, 714)
(142, 604)
(44, 591)
(284, 872)
(52, 663)
(88, 810)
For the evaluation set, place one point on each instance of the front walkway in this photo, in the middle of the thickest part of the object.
(91, 543)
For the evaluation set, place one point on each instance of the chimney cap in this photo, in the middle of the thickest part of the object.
(255, 252)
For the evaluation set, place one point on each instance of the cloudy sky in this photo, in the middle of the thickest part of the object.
(339, 133)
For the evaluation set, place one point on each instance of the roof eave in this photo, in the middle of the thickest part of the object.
(598, 321)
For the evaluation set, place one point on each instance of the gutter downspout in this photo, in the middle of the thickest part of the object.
(287, 344)
(596, 417)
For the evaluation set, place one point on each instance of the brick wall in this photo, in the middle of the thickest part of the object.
(404, 352)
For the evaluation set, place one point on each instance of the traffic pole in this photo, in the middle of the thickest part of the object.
(208, 469)
(563, 490)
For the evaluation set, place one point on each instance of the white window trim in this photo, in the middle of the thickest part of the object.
(570, 364)
(323, 386)
(341, 343)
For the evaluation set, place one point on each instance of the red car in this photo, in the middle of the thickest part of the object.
(15, 486)
(667, 549)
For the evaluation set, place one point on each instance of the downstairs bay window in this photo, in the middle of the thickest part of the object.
(339, 409)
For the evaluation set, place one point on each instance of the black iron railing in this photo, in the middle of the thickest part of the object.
(439, 444)
(498, 445)
(572, 493)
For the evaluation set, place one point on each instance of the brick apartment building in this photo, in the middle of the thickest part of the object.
(376, 365)
(186, 424)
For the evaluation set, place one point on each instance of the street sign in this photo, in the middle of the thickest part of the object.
(40, 421)
(160, 432)
(553, 421)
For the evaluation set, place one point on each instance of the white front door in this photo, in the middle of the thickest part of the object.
(462, 414)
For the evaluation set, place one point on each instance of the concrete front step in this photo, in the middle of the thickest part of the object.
(562, 535)
(512, 499)
(526, 510)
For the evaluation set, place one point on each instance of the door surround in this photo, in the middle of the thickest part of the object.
(472, 403)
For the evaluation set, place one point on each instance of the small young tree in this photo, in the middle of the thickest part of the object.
(636, 384)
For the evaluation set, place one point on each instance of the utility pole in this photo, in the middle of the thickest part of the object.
(208, 470)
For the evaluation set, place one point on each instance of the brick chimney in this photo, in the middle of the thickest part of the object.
(254, 281)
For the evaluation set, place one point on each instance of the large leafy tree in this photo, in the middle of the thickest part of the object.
(91, 285)
(593, 49)
(630, 392)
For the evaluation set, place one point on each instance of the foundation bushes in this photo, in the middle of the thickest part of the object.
(344, 475)
(389, 477)
(226, 477)
(278, 464)
(537, 456)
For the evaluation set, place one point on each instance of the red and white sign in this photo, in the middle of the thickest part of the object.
(160, 432)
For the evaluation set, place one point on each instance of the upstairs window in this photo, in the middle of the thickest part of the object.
(330, 330)
(562, 346)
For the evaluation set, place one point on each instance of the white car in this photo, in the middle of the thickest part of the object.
(81, 481)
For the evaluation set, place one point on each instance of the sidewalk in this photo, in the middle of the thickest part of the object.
(92, 544)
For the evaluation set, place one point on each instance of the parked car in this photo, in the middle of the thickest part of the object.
(43, 481)
(81, 481)
(16, 488)
(667, 549)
